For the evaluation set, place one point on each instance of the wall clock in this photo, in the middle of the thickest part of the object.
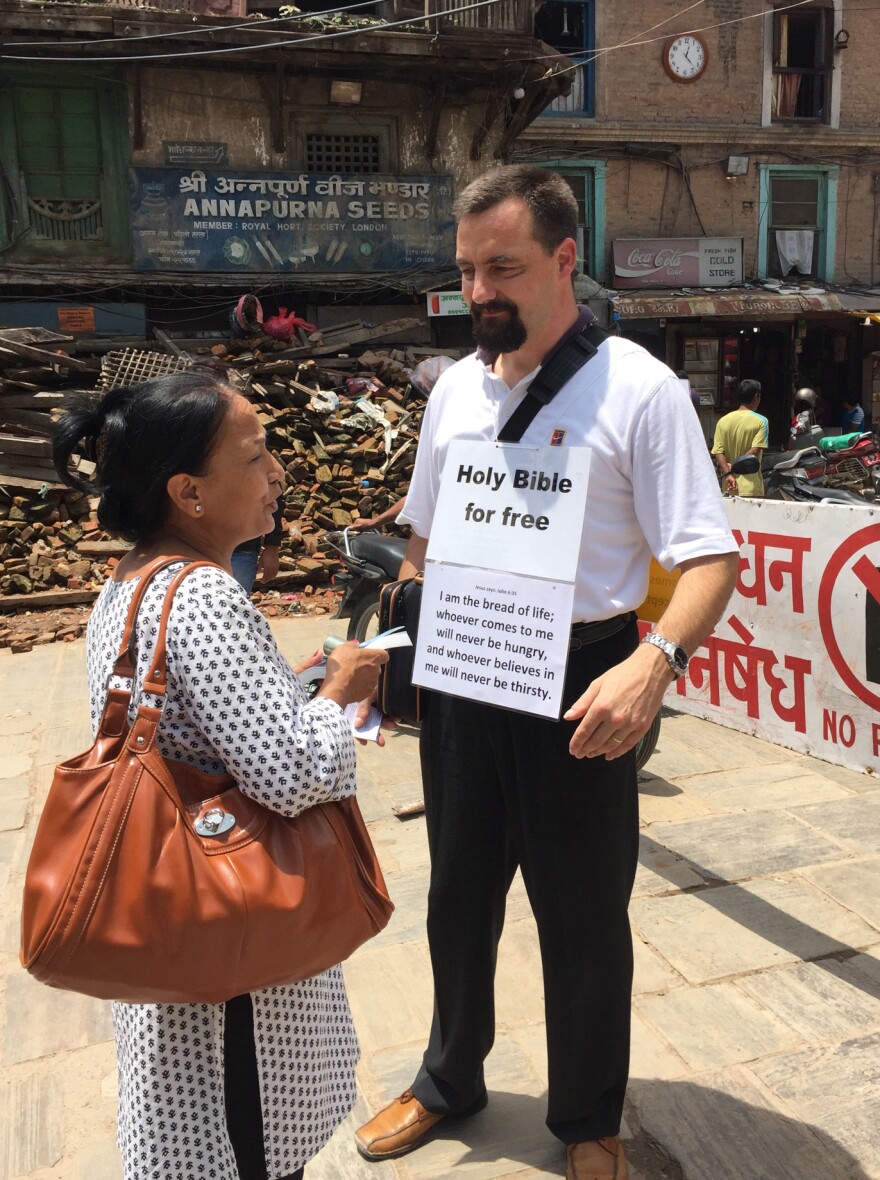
(685, 57)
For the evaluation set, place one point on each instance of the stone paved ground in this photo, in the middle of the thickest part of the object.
(756, 915)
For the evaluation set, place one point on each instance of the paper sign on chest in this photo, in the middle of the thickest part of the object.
(494, 637)
(512, 508)
(499, 577)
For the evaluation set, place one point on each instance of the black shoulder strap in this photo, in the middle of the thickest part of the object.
(561, 367)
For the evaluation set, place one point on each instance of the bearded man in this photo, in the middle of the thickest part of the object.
(556, 798)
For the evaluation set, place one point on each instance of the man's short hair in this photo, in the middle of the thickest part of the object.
(549, 199)
(748, 391)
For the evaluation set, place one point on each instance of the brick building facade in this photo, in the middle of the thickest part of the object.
(164, 157)
(734, 124)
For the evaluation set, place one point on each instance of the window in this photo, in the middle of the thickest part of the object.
(58, 134)
(802, 64)
(586, 178)
(343, 144)
(62, 155)
(797, 218)
(567, 26)
(342, 153)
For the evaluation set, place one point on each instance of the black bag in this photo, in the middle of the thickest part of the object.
(400, 602)
(399, 605)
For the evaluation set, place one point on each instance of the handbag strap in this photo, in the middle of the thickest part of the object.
(156, 679)
(558, 371)
(124, 665)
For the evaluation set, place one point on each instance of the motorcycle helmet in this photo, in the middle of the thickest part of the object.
(807, 395)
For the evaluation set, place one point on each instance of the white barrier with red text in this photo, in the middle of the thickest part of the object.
(795, 658)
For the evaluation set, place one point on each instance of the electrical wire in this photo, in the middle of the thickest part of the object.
(634, 40)
(631, 42)
(411, 280)
(250, 47)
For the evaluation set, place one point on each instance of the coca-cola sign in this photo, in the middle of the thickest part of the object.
(678, 262)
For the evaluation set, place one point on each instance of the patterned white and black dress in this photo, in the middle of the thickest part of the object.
(232, 702)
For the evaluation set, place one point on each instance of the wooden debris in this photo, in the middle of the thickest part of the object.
(344, 428)
(14, 342)
(409, 810)
(359, 335)
(10, 602)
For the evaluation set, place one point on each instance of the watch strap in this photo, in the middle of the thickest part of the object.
(669, 649)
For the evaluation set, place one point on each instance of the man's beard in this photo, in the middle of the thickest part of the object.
(500, 334)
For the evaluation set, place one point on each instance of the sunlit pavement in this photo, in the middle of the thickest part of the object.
(756, 919)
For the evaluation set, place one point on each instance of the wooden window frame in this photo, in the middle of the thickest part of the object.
(349, 123)
(825, 19)
(593, 263)
(828, 176)
(585, 59)
(111, 95)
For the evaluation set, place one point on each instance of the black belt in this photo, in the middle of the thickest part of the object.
(584, 633)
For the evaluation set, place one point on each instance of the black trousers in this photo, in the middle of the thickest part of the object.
(501, 791)
(244, 1115)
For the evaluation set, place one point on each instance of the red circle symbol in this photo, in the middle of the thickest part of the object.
(848, 550)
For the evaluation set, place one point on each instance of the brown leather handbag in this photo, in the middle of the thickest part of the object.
(152, 882)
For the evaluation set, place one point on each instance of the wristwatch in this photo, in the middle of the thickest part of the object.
(676, 656)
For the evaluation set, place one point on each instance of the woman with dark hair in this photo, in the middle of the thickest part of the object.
(250, 1089)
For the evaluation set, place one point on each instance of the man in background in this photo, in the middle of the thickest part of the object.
(803, 417)
(853, 417)
(362, 523)
(261, 555)
(742, 432)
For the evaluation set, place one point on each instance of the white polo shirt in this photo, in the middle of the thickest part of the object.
(652, 485)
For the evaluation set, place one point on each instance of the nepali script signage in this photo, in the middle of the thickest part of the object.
(211, 220)
(795, 659)
(678, 262)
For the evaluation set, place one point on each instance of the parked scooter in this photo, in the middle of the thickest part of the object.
(371, 560)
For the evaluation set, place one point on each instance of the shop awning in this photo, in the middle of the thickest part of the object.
(631, 305)
(864, 305)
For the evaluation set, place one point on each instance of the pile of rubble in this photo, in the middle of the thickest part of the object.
(344, 428)
(26, 629)
(348, 446)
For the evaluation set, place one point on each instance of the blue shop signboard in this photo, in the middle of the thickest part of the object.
(195, 220)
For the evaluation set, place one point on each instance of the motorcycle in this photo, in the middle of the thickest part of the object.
(855, 467)
(371, 560)
(803, 478)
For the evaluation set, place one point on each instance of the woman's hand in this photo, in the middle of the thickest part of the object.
(362, 716)
(352, 673)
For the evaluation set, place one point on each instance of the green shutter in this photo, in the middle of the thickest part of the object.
(59, 141)
(63, 149)
(58, 132)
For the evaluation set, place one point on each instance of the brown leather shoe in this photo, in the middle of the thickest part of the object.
(599, 1159)
(401, 1126)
